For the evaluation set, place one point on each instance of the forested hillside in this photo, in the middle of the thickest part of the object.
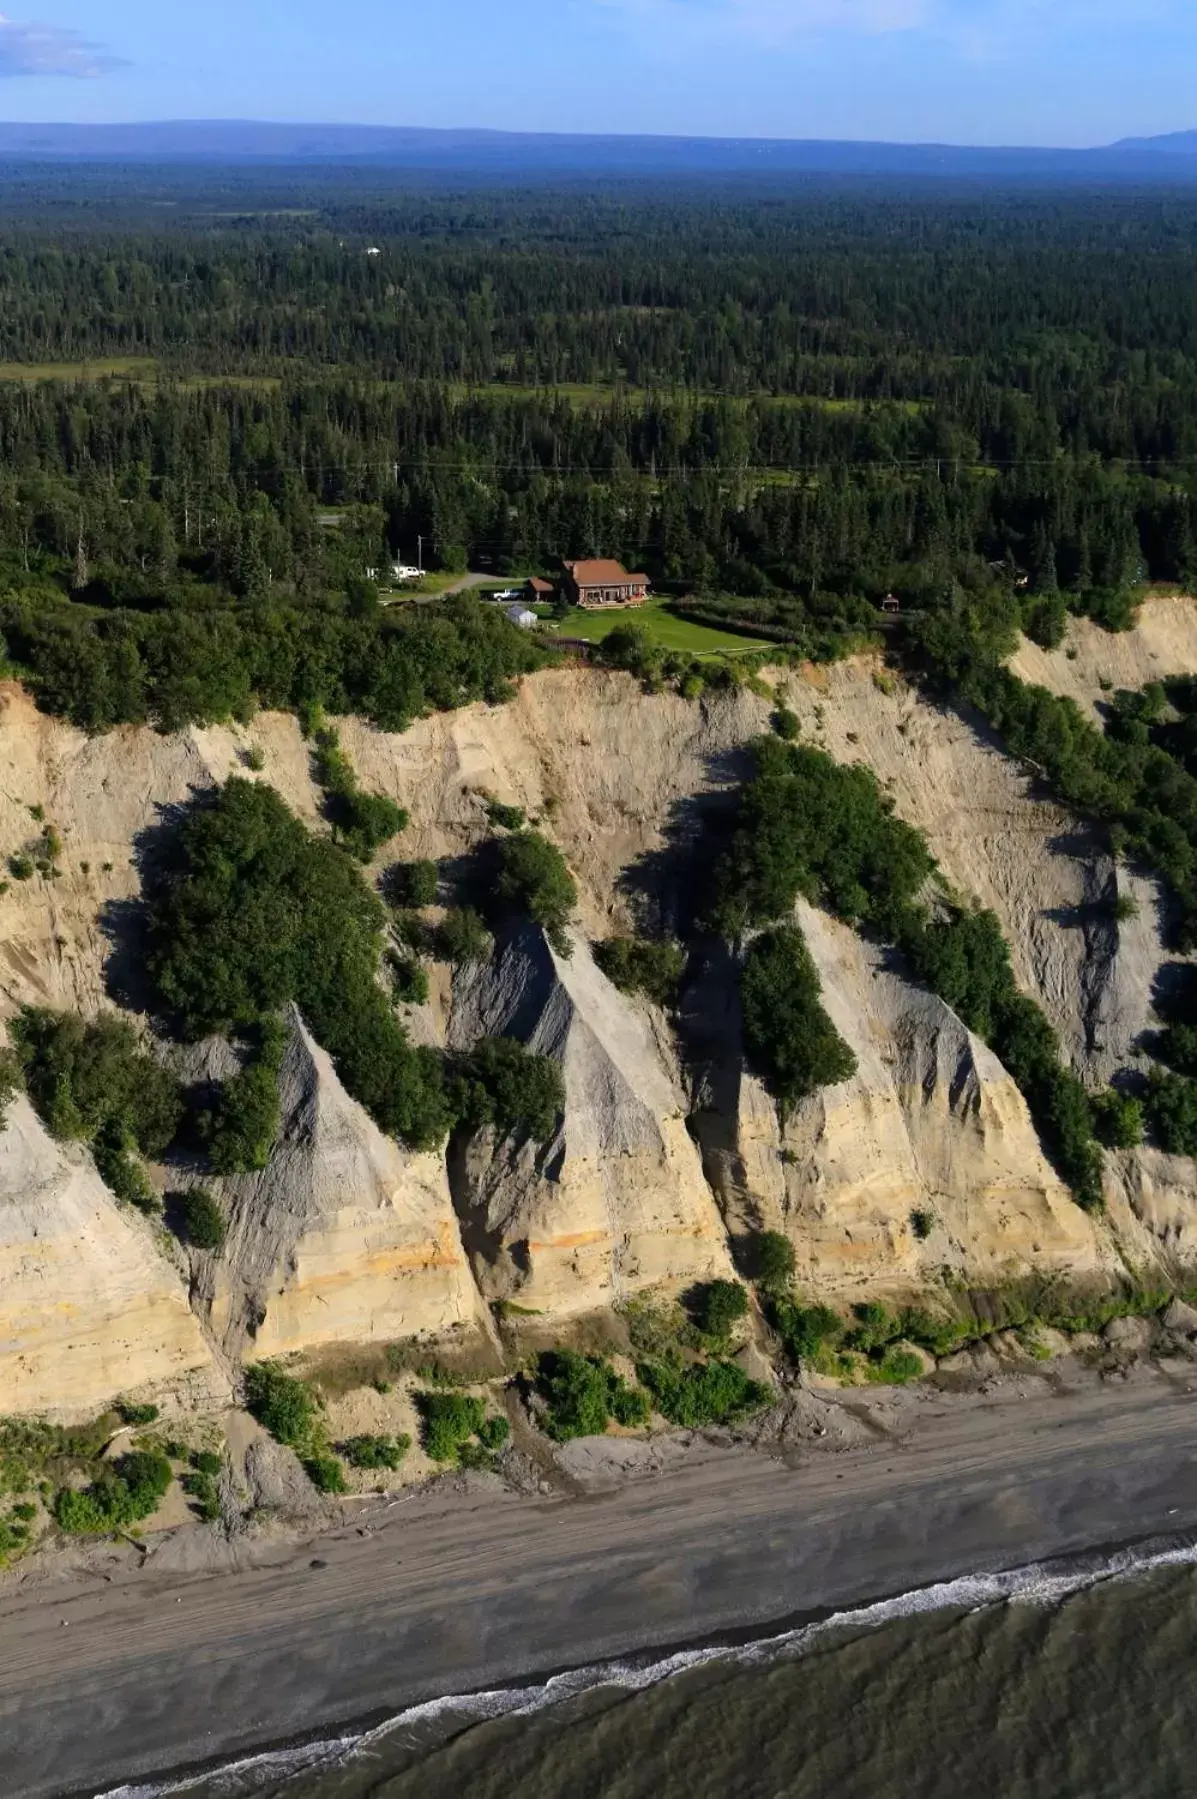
(814, 391)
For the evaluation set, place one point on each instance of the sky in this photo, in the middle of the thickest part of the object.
(1044, 72)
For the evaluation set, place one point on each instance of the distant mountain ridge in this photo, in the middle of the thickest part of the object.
(512, 152)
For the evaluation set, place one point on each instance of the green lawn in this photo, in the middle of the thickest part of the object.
(143, 371)
(661, 625)
(584, 394)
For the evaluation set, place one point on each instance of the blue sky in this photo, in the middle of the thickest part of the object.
(965, 71)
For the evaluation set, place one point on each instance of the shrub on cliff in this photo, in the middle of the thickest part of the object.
(533, 878)
(249, 911)
(1172, 1113)
(771, 1260)
(376, 1452)
(1117, 1119)
(583, 1393)
(702, 1393)
(652, 966)
(283, 1405)
(411, 884)
(462, 938)
(203, 1220)
(788, 1036)
(502, 1084)
(132, 1489)
(82, 1075)
(448, 1421)
(240, 1128)
(718, 1306)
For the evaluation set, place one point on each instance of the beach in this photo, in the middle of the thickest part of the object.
(112, 1678)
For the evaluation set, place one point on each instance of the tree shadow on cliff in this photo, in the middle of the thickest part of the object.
(124, 923)
(668, 890)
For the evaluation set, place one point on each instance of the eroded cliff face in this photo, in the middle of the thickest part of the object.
(346, 1238)
(617, 1200)
(930, 1124)
(90, 1305)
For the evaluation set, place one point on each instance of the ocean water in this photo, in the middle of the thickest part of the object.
(1063, 1682)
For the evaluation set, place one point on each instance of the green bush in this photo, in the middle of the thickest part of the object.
(875, 1326)
(652, 966)
(895, 1368)
(132, 1489)
(203, 1220)
(1117, 1119)
(788, 1037)
(493, 1433)
(502, 1084)
(202, 1490)
(1178, 1048)
(718, 1306)
(583, 1393)
(707, 1393)
(240, 1130)
(922, 1223)
(448, 1420)
(412, 884)
(409, 981)
(81, 1076)
(206, 1461)
(373, 1452)
(114, 1147)
(128, 1413)
(462, 938)
(771, 1260)
(786, 724)
(1171, 1108)
(533, 877)
(249, 911)
(283, 1405)
(361, 822)
(325, 1473)
(506, 818)
(806, 1331)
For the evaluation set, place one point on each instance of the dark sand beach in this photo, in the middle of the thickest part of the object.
(108, 1679)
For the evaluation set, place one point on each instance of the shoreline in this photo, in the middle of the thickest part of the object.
(455, 1594)
(1146, 1553)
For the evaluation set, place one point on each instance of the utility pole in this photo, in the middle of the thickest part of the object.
(420, 554)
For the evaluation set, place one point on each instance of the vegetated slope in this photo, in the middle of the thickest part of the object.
(344, 1235)
(1091, 663)
(1050, 882)
(617, 772)
(925, 1158)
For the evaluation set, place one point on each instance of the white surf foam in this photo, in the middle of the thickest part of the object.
(1037, 1584)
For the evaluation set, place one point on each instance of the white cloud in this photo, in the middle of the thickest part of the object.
(974, 27)
(50, 50)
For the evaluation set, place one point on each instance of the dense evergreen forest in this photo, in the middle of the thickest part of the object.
(804, 399)
(224, 407)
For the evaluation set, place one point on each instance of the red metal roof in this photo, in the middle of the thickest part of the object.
(604, 572)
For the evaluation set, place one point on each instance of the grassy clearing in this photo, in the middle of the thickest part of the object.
(660, 625)
(100, 368)
(143, 371)
(600, 393)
